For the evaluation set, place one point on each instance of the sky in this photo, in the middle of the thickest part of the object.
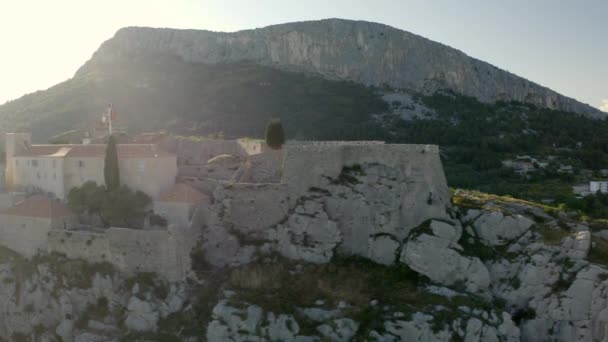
(557, 43)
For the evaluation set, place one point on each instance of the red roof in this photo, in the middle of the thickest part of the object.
(94, 151)
(38, 206)
(183, 193)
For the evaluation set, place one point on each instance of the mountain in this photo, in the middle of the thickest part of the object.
(325, 79)
(363, 52)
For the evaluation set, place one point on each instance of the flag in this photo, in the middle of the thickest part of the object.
(111, 112)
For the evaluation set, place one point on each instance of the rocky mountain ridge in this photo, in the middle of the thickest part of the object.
(363, 52)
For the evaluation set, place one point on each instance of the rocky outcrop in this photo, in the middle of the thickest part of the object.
(496, 229)
(436, 256)
(308, 234)
(251, 322)
(369, 53)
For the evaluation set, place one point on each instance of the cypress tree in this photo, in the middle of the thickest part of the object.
(110, 169)
(275, 136)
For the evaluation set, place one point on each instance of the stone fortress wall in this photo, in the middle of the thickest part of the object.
(130, 250)
(271, 201)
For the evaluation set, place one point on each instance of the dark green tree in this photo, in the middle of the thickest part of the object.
(118, 207)
(110, 169)
(275, 135)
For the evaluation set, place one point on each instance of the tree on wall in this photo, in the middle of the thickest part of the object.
(275, 135)
(120, 207)
(110, 169)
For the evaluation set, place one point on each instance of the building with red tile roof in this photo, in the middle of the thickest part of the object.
(56, 169)
(24, 227)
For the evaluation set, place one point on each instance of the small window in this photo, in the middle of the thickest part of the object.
(16, 162)
(34, 163)
(54, 176)
(54, 163)
(141, 166)
(38, 175)
(81, 163)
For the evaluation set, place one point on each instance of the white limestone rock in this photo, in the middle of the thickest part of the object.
(578, 245)
(430, 256)
(447, 231)
(339, 330)
(495, 229)
(383, 249)
(281, 328)
(308, 234)
(141, 315)
(220, 247)
(318, 314)
(419, 329)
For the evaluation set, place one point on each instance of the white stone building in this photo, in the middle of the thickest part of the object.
(56, 169)
(601, 186)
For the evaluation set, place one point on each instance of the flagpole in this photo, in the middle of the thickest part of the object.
(110, 119)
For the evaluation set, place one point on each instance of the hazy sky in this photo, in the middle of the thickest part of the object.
(557, 43)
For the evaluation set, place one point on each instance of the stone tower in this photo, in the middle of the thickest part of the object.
(15, 143)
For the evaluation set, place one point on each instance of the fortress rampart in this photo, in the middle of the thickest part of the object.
(130, 250)
(293, 192)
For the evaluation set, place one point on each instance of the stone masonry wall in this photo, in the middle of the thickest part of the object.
(263, 168)
(87, 245)
(252, 207)
(425, 195)
(199, 152)
(130, 250)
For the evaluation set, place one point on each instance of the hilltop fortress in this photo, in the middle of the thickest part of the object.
(233, 201)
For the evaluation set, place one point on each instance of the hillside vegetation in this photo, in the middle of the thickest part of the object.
(161, 92)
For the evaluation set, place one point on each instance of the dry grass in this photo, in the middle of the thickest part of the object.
(277, 288)
(599, 251)
(552, 236)
(476, 199)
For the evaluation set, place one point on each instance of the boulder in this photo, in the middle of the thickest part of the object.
(383, 249)
(141, 315)
(430, 256)
(495, 228)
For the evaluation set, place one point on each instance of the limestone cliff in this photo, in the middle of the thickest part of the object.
(364, 52)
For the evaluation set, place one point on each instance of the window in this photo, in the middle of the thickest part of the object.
(54, 163)
(141, 167)
(81, 163)
(16, 162)
(38, 175)
(34, 163)
(54, 176)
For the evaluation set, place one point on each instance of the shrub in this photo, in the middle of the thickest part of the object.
(275, 136)
(119, 207)
(110, 169)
